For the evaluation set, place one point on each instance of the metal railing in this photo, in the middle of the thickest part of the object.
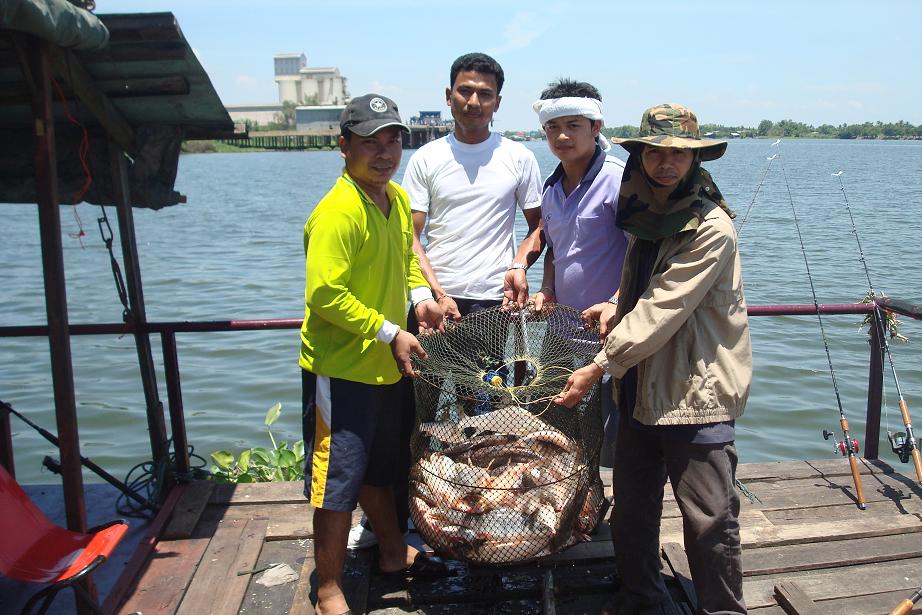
(169, 330)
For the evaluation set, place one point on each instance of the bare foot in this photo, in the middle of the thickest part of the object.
(333, 604)
(392, 562)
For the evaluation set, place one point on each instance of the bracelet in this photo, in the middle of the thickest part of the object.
(440, 297)
(521, 266)
(613, 301)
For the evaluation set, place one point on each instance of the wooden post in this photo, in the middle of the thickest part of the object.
(38, 67)
(138, 314)
(875, 390)
(49, 219)
(174, 397)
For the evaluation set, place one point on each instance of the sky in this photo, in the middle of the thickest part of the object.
(732, 63)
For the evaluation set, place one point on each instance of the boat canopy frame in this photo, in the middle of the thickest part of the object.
(127, 89)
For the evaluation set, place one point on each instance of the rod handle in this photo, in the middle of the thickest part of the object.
(856, 477)
(916, 458)
(902, 608)
(904, 410)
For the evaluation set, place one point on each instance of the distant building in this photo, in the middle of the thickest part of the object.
(318, 93)
(262, 115)
(308, 86)
(427, 118)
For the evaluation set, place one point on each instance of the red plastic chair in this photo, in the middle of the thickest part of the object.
(34, 549)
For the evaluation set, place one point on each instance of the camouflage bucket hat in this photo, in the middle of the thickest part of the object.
(672, 125)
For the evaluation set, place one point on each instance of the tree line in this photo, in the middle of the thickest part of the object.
(790, 128)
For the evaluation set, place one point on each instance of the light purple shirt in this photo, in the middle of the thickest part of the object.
(588, 247)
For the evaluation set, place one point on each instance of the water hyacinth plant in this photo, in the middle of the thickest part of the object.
(261, 465)
(891, 326)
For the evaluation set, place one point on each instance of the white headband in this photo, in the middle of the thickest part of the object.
(553, 108)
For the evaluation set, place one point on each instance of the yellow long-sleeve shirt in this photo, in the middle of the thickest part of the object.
(360, 267)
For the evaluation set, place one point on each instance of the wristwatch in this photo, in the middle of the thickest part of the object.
(518, 266)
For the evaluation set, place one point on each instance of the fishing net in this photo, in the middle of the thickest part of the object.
(501, 474)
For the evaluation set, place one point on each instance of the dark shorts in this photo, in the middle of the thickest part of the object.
(351, 438)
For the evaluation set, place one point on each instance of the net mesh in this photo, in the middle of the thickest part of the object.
(501, 474)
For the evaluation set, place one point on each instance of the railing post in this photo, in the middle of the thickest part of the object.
(137, 316)
(875, 388)
(174, 398)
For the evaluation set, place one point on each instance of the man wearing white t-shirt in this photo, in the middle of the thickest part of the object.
(464, 191)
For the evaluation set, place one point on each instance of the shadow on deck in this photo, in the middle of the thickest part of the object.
(806, 549)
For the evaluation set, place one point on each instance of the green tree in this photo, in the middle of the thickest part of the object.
(764, 127)
(288, 114)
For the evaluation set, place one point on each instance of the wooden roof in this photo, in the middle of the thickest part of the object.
(145, 91)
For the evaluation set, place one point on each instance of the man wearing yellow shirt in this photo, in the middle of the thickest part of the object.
(361, 272)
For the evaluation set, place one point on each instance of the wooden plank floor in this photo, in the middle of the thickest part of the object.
(806, 547)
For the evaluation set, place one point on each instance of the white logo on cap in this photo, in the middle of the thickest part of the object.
(378, 105)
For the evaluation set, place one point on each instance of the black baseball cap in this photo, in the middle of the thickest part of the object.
(368, 114)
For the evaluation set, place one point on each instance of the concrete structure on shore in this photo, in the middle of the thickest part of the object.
(262, 115)
(308, 86)
(320, 119)
(319, 93)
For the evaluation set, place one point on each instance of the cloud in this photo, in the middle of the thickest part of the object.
(825, 104)
(385, 88)
(246, 81)
(519, 33)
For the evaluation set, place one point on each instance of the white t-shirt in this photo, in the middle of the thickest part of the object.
(470, 193)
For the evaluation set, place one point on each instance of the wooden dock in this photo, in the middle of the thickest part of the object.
(291, 140)
(806, 549)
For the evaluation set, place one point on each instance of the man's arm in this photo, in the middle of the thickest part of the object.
(330, 242)
(515, 284)
(547, 293)
(448, 305)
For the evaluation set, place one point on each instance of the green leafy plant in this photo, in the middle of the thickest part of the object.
(261, 465)
(891, 324)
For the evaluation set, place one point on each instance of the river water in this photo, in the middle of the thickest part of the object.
(234, 251)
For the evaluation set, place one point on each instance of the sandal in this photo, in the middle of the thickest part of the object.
(423, 567)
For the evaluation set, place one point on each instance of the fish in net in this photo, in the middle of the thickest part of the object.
(501, 474)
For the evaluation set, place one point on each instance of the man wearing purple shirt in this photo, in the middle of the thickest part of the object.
(585, 250)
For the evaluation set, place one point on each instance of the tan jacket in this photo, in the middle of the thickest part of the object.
(688, 335)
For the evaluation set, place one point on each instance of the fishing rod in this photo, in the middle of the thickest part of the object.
(83, 460)
(848, 446)
(906, 605)
(903, 444)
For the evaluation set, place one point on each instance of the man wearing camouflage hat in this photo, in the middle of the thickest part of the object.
(679, 346)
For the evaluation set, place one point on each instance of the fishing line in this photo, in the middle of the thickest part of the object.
(903, 445)
(739, 229)
(847, 446)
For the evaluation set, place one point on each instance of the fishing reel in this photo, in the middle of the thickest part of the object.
(840, 446)
(901, 445)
